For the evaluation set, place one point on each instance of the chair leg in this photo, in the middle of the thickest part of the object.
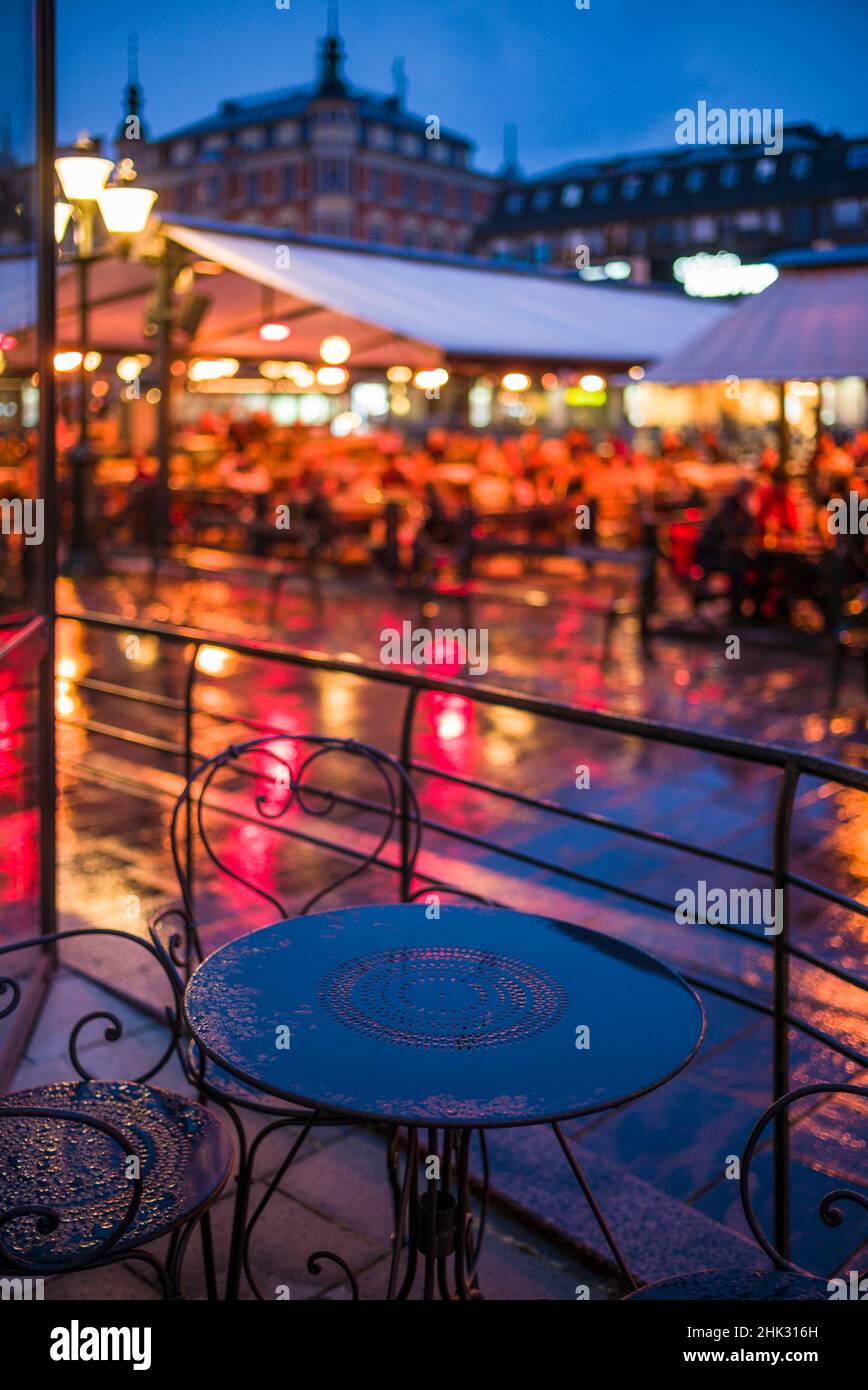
(208, 1258)
(239, 1223)
(175, 1258)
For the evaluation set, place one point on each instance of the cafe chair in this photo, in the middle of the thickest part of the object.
(94, 1172)
(786, 1281)
(303, 778)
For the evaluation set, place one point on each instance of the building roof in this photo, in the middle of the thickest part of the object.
(685, 180)
(287, 102)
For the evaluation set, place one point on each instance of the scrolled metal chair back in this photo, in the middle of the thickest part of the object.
(10, 997)
(45, 1217)
(829, 1211)
(299, 787)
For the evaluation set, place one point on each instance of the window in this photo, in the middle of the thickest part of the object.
(332, 176)
(695, 181)
(213, 146)
(542, 199)
(253, 138)
(857, 157)
(514, 203)
(380, 136)
(410, 144)
(638, 239)
(800, 165)
(439, 151)
(600, 192)
(252, 188)
(704, 229)
(662, 184)
(541, 251)
(464, 203)
(749, 220)
(289, 181)
(378, 185)
(730, 175)
(410, 194)
(182, 152)
(774, 220)
(847, 212)
(764, 170)
(436, 197)
(571, 195)
(631, 187)
(286, 132)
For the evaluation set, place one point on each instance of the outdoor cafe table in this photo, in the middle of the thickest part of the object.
(451, 1020)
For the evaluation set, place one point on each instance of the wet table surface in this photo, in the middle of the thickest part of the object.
(482, 1016)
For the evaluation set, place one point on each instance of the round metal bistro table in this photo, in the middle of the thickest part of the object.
(441, 1022)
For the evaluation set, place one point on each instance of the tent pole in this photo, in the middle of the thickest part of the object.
(783, 425)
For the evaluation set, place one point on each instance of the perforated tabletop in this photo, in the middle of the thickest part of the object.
(472, 1019)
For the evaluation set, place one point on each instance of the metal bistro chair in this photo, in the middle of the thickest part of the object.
(786, 1282)
(72, 1197)
(263, 766)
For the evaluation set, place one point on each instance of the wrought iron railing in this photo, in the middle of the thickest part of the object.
(793, 766)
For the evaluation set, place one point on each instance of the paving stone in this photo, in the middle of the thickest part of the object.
(659, 1236)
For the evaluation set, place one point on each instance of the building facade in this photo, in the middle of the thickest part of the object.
(325, 160)
(649, 211)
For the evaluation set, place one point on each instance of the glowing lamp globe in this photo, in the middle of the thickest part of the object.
(126, 208)
(82, 176)
(334, 350)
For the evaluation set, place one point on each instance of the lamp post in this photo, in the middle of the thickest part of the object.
(125, 211)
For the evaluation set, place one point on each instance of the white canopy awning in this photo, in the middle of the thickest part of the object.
(458, 309)
(809, 325)
(394, 307)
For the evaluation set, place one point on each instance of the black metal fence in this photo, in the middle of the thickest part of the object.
(779, 871)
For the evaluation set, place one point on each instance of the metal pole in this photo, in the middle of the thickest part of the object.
(781, 1003)
(160, 516)
(44, 33)
(83, 542)
(784, 428)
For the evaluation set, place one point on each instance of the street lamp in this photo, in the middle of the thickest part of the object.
(125, 211)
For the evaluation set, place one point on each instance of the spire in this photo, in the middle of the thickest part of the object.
(133, 100)
(400, 79)
(331, 80)
(510, 168)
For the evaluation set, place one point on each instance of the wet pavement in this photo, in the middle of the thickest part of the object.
(667, 1150)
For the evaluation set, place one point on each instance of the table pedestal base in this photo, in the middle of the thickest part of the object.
(437, 1237)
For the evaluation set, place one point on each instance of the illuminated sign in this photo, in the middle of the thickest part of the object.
(712, 276)
(575, 395)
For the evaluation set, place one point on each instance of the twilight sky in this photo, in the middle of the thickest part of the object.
(576, 82)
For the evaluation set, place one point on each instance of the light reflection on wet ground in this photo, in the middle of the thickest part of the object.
(115, 819)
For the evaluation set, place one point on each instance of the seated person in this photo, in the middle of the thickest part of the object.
(721, 545)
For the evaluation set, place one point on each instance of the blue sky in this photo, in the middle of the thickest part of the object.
(576, 82)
